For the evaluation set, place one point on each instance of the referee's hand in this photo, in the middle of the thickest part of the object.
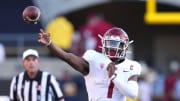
(44, 37)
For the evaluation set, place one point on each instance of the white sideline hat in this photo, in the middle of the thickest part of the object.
(30, 52)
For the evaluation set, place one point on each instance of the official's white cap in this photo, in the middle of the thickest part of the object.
(29, 52)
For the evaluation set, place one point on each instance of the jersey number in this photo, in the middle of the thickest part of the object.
(110, 90)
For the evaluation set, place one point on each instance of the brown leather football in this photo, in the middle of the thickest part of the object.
(31, 14)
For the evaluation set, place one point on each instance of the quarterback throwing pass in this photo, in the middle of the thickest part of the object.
(109, 76)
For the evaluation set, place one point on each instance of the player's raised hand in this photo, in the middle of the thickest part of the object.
(111, 69)
(44, 37)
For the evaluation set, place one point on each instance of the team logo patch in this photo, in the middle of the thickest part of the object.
(102, 65)
(131, 67)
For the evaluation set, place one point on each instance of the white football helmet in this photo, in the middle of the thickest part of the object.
(115, 43)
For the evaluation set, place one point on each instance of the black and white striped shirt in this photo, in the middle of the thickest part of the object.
(43, 87)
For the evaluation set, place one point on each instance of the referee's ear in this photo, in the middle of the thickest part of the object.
(38, 59)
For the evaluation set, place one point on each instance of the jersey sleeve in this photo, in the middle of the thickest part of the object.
(56, 88)
(88, 55)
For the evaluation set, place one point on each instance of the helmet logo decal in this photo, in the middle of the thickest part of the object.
(102, 65)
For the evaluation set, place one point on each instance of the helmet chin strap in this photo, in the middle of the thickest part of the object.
(117, 60)
(121, 56)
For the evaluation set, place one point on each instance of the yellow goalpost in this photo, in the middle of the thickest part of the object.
(153, 17)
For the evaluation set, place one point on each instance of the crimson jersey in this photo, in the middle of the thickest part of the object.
(98, 84)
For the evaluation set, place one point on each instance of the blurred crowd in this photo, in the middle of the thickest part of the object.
(156, 85)
(86, 37)
(73, 87)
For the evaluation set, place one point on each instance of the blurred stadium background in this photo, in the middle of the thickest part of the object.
(156, 43)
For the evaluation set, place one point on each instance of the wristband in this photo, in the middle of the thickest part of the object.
(49, 43)
(113, 76)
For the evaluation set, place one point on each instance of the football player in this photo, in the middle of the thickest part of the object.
(109, 76)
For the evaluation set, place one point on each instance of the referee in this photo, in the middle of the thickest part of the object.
(34, 84)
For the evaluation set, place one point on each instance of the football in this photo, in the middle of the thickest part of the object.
(31, 14)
